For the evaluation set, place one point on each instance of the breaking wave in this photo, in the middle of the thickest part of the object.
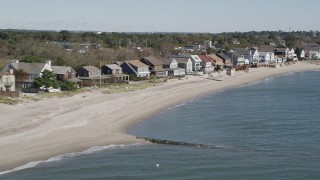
(70, 155)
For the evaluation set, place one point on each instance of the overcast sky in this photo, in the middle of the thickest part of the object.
(161, 15)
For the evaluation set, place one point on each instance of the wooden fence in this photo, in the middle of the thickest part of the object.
(10, 93)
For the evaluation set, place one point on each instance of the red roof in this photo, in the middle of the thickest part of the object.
(204, 58)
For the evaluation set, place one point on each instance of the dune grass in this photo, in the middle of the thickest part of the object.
(9, 100)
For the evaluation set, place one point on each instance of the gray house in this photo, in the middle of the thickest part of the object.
(115, 72)
(237, 59)
(64, 72)
(226, 59)
(136, 68)
(32, 71)
(155, 66)
(185, 63)
(88, 71)
(171, 65)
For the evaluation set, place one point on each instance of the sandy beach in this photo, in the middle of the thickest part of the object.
(39, 130)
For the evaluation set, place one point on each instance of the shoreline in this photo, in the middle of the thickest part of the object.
(40, 130)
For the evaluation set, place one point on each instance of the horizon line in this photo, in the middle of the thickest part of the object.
(151, 32)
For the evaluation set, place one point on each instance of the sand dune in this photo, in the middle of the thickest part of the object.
(40, 130)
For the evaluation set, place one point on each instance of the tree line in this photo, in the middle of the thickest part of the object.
(63, 47)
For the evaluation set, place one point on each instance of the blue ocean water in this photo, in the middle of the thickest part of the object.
(266, 130)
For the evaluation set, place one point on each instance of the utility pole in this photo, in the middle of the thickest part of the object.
(100, 73)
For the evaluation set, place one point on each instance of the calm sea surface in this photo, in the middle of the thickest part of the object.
(266, 130)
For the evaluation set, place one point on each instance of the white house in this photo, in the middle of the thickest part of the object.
(33, 71)
(302, 54)
(292, 55)
(208, 43)
(7, 81)
(314, 55)
(185, 63)
(171, 66)
(264, 57)
(196, 62)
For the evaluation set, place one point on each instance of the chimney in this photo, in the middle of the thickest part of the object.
(48, 62)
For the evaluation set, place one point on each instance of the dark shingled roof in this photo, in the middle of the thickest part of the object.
(137, 63)
(168, 61)
(29, 68)
(61, 69)
(91, 68)
(182, 60)
(113, 66)
(223, 56)
(154, 61)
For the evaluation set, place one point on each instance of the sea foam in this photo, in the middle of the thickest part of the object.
(70, 155)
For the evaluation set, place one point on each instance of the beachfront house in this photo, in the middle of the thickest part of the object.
(313, 55)
(207, 65)
(302, 54)
(196, 63)
(7, 81)
(26, 72)
(237, 59)
(64, 72)
(111, 69)
(155, 66)
(88, 71)
(115, 72)
(252, 55)
(292, 55)
(171, 65)
(185, 63)
(264, 58)
(217, 61)
(7, 85)
(136, 68)
(282, 53)
(90, 75)
(226, 59)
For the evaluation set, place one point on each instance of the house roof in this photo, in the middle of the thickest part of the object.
(204, 58)
(29, 68)
(182, 60)
(137, 63)
(313, 52)
(195, 58)
(223, 56)
(263, 53)
(113, 66)
(236, 55)
(91, 68)
(266, 49)
(119, 63)
(61, 69)
(311, 46)
(168, 61)
(280, 49)
(217, 60)
(154, 61)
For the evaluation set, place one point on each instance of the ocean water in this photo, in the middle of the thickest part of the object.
(265, 130)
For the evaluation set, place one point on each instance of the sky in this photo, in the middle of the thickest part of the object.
(213, 16)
